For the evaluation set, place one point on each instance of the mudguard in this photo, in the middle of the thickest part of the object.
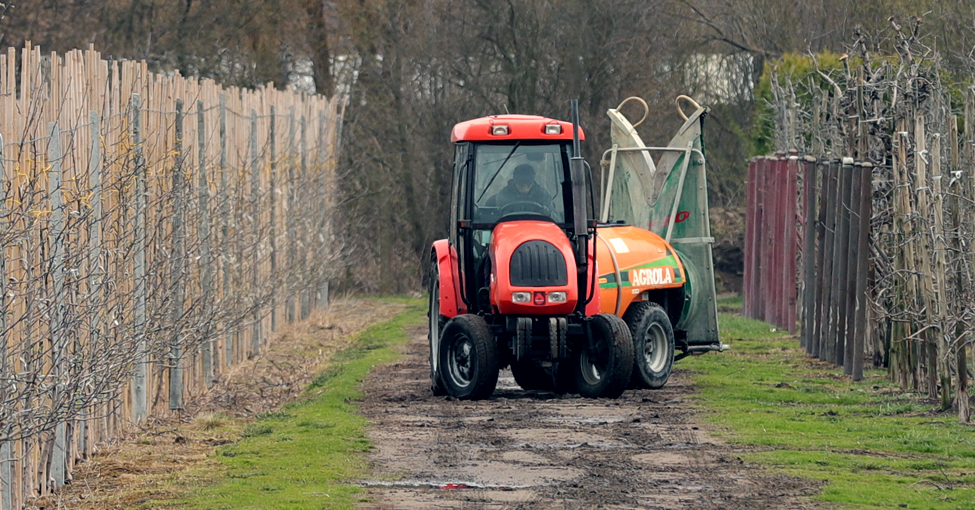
(451, 304)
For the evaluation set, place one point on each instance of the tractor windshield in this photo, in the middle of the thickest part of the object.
(519, 179)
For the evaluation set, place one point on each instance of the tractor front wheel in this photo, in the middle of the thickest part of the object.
(604, 364)
(468, 358)
(653, 344)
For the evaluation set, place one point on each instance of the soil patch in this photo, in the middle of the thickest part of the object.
(536, 450)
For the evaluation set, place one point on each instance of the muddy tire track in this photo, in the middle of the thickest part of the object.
(535, 450)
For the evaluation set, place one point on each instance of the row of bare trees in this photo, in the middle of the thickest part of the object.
(421, 66)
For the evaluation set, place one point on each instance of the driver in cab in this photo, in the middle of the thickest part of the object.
(521, 188)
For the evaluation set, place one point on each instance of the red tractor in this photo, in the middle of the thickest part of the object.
(516, 283)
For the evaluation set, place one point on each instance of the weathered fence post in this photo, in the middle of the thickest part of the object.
(791, 240)
(863, 268)
(305, 292)
(225, 227)
(758, 263)
(928, 278)
(139, 380)
(256, 239)
(95, 266)
(205, 230)
(58, 328)
(852, 259)
(291, 202)
(829, 294)
(177, 261)
(747, 289)
(6, 445)
(325, 227)
(808, 250)
(939, 274)
(273, 227)
(813, 349)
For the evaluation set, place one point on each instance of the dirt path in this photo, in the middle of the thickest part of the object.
(534, 450)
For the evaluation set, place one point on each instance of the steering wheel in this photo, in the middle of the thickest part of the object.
(525, 206)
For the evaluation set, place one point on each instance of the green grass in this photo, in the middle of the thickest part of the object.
(874, 446)
(729, 303)
(303, 456)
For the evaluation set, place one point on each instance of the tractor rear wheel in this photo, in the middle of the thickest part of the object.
(531, 377)
(436, 323)
(603, 366)
(653, 344)
(468, 358)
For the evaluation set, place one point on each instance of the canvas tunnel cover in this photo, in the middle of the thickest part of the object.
(671, 200)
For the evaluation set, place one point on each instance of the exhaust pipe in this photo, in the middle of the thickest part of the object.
(580, 227)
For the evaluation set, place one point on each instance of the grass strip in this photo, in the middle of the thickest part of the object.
(874, 445)
(303, 456)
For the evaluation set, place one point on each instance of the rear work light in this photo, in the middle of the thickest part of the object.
(557, 297)
(521, 297)
(499, 130)
(553, 129)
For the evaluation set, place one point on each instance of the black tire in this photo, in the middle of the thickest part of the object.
(653, 344)
(531, 377)
(603, 370)
(468, 358)
(436, 323)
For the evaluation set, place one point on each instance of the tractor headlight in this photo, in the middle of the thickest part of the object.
(521, 297)
(557, 297)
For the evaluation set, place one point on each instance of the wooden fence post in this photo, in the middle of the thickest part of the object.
(322, 290)
(792, 239)
(177, 261)
(306, 240)
(813, 349)
(808, 251)
(290, 221)
(139, 389)
(96, 268)
(747, 290)
(6, 445)
(940, 276)
(58, 328)
(205, 230)
(852, 259)
(863, 267)
(225, 226)
(273, 227)
(829, 314)
(255, 240)
(928, 280)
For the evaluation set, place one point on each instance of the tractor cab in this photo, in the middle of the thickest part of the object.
(508, 169)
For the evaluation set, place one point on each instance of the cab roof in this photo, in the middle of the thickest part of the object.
(520, 127)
